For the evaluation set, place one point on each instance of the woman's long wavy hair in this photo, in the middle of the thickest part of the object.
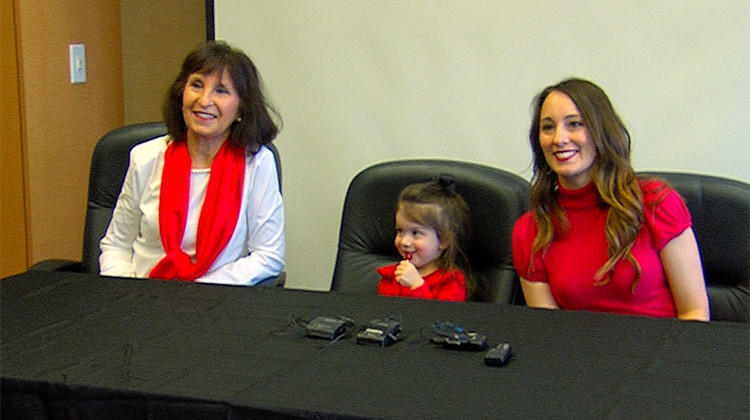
(614, 178)
(257, 126)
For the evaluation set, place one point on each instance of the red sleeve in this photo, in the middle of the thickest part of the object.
(524, 233)
(438, 285)
(665, 212)
(449, 285)
(454, 289)
(422, 292)
(388, 285)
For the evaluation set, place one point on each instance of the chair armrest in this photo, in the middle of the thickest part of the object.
(57, 265)
(277, 281)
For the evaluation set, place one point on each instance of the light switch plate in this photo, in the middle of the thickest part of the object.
(77, 63)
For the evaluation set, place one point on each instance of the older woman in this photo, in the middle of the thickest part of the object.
(597, 237)
(203, 203)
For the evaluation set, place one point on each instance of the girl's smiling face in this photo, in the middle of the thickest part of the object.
(419, 241)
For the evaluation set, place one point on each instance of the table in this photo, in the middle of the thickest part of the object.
(83, 346)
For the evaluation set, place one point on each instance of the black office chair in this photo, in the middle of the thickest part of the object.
(720, 209)
(109, 163)
(496, 199)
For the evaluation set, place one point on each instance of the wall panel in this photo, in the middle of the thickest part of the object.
(156, 37)
(13, 243)
(359, 82)
(63, 121)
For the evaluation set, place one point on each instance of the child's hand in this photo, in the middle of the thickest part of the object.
(408, 275)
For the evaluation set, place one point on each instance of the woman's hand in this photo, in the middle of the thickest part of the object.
(408, 275)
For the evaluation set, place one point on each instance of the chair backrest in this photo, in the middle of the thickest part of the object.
(495, 197)
(109, 163)
(720, 209)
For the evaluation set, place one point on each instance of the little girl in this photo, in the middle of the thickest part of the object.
(432, 226)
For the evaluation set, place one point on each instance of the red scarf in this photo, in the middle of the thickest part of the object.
(219, 213)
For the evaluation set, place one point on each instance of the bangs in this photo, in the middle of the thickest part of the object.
(210, 61)
(426, 214)
(212, 64)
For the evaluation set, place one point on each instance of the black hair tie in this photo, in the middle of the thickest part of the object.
(447, 183)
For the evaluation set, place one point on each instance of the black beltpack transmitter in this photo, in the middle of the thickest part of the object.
(498, 355)
(452, 336)
(380, 331)
(327, 327)
(474, 342)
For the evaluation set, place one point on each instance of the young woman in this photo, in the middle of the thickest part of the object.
(597, 237)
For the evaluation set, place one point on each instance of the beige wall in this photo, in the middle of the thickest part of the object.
(359, 82)
(156, 37)
(62, 121)
(50, 126)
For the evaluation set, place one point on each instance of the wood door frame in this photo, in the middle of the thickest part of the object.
(14, 243)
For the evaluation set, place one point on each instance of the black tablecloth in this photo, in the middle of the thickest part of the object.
(80, 346)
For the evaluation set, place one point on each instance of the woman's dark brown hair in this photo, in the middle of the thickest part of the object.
(256, 126)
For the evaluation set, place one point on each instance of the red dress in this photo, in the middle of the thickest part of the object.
(573, 258)
(441, 285)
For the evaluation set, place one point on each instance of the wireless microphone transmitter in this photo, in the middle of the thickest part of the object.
(380, 331)
(327, 327)
(452, 336)
(498, 355)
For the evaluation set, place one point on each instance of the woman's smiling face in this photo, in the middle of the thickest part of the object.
(565, 141)
(210, 104)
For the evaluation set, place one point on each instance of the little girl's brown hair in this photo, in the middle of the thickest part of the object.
(438, 205)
